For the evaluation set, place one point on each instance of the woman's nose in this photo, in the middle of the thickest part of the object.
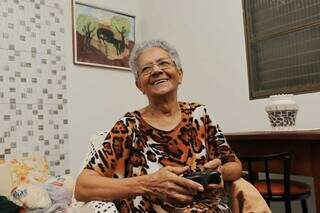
(156, 69)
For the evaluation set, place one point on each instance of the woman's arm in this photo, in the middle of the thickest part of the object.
(164, 184)
(90, 185)
(231, 170)
(218, 147)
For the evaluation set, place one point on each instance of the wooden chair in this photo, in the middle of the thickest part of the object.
(279, 189)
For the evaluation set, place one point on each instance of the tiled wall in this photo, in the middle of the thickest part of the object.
(33, 103)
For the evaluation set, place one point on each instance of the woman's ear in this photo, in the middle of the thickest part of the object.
(180, 71)
(139, 86)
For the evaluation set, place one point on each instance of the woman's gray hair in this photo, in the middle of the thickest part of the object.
(139, 48)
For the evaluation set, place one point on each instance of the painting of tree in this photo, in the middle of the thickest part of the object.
(102, 37)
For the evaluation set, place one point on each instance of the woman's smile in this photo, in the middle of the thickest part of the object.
(160, 81)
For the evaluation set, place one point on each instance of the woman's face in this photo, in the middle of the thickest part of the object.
(157, 73)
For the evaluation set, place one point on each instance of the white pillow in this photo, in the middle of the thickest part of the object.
(31, 196)
(6, 180)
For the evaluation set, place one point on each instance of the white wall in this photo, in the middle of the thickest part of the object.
(210, 38)
(97, 96)
(209, 35)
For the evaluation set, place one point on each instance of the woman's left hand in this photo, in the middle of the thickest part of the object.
(214, 164)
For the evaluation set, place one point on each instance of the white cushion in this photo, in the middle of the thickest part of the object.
(6, 180)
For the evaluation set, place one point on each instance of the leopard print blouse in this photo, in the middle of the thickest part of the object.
(134, 148)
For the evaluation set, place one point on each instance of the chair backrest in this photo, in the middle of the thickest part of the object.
(256, 164)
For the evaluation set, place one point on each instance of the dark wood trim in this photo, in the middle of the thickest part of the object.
(303, 144)
(275, 135)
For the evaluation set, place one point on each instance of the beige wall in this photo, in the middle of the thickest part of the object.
(210, 38)
(97, 96)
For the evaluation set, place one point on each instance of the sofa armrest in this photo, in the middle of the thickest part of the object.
(6, 180)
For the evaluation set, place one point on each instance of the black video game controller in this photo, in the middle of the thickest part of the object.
(204, 178)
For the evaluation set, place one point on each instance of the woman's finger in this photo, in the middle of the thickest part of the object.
(184, 190)
(213, 164)
(181, 181)
(179, 200)
(189, 184)
(178, 170)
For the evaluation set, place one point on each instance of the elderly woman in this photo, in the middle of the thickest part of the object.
(140, 162)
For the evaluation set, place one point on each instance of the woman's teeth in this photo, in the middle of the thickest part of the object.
(159, 82)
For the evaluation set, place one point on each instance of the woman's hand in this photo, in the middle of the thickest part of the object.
(167, 185)
(214, 164)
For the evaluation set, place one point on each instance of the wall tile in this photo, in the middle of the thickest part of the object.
(33, 109)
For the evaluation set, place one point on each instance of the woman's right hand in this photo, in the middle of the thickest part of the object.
(167, 185)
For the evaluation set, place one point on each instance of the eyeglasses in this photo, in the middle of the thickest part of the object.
(163, 64)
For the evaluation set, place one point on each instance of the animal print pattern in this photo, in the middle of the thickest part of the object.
(282, 118)
(101, 207)
(135, 148)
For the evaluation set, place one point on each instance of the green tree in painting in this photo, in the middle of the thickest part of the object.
(123, 27)
(121, 24)
(86, 26)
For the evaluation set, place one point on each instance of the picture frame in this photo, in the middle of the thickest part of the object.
(102, 37)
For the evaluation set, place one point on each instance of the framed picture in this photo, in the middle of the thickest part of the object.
(102, 37)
